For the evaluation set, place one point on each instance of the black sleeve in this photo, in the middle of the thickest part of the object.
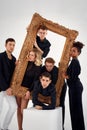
(46, 49)
(53, 100)
(3, 84)
(36, 76)
(37, 73)
(74, 70)
(55, 75)
(35, 95)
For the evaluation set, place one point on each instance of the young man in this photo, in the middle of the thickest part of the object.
(45, 88)
(42, 44)
(53, 70)
(7, 65)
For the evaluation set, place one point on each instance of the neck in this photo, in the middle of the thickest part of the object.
(9, 54)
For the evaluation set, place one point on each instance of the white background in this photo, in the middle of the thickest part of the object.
(16, 15)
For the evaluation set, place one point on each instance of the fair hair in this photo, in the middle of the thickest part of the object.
(38, 60)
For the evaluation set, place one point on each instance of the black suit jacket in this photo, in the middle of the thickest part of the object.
(6, 70)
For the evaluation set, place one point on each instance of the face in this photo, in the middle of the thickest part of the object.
(42, 33)
(32, 56)
(49, 66)
(45, 81)
(74, 52)
(10, 46)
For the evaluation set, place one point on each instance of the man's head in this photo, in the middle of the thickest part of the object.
(45, 79)
(49, 64)
(42, 32)
(10, 44)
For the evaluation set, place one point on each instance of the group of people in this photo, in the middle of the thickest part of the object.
(41, 79)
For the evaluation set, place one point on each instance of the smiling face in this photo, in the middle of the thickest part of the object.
(74, 52)
(45, 81)
(32, 56)
(49, 66)
(42, 33)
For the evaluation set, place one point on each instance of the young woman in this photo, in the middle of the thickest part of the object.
(31, 74)
(75, 88)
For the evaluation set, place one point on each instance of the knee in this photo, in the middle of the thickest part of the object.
(20, 110)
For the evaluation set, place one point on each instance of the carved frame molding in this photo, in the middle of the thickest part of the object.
(30, 38)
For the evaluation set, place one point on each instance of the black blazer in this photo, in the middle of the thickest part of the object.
(6, 70)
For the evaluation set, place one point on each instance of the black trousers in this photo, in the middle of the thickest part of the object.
(76, 110)
(62, 102)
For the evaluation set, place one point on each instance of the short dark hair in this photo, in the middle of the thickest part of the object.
(50, 60)
(9, 40)
(43, 27)
(46, 74)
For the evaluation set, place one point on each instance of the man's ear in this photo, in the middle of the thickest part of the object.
(46, 32)
(50, 80)
(40, 77)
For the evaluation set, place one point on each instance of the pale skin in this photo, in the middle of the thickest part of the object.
(23, 102)
(42, 34)
(49, 66)
(45, 81)
(9, 49)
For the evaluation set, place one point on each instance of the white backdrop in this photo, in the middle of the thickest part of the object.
(16, 15)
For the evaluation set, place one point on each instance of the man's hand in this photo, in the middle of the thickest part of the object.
(36, 45)
(38, 107)
(27, 95)
(9, 91)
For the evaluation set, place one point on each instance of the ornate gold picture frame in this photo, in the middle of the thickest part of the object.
(36, 21)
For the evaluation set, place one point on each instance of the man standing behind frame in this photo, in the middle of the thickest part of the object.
(41, 43)
(7, 65)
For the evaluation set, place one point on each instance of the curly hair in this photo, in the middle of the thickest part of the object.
(78, 45)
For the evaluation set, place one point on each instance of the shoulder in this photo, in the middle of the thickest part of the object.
(37, 38)
(37, 84)
(14, 58)
(75, 61)
(37, 67)
(55, 69)
(48, 43)
(2, 54)
(51, 87)
(43, 68)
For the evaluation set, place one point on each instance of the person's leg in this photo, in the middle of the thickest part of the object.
(22, 104)
(12, 106)
(19, 115)
(76, 111)
(62, 102)
(1, 105)
(1, 100)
